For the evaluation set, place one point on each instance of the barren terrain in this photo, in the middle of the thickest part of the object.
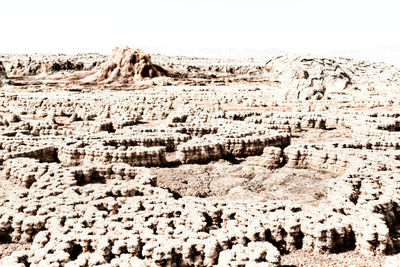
(138, 160)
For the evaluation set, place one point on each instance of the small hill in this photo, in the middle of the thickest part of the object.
(125, 65)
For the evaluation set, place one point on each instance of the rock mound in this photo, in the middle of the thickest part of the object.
(308, 77)
(125, 65)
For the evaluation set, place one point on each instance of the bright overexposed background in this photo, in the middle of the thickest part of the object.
(363, 29)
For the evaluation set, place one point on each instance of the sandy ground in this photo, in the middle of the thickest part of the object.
(302, 258)
(225, 180)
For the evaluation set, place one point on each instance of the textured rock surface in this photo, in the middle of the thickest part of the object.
(291, 161)
(313, 78)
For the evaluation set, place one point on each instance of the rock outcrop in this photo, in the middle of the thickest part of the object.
(307, 77)
(32, 67)
(3, 74)
(125, 66)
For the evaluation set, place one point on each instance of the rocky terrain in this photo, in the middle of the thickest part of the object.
(138, 160)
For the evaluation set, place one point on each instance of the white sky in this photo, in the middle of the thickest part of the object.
(317, 26)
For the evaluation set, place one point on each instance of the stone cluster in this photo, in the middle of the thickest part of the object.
(112, 213)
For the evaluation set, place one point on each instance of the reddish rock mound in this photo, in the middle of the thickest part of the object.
(125, 65)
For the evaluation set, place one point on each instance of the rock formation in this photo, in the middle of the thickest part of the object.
(206, 175)
(3, 73)
(308, 77)
(125, 65)
(43, 67)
